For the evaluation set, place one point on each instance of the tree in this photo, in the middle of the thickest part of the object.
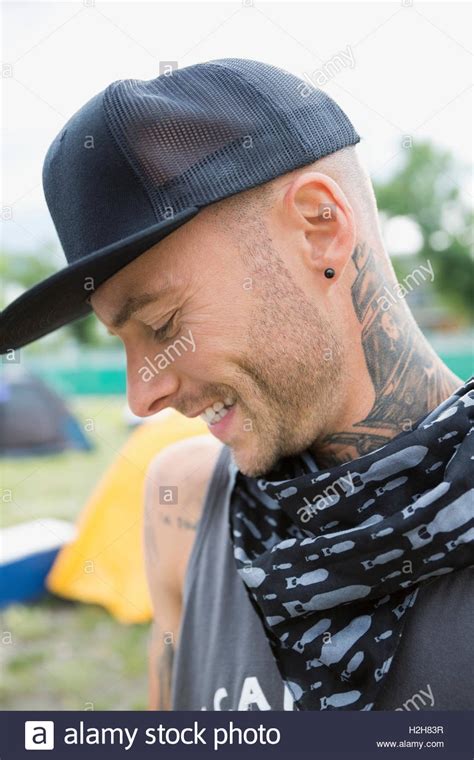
(426, 189)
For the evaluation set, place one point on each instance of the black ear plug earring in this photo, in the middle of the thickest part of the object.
(329, 273)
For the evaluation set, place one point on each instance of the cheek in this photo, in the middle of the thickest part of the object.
(216, 336)
(214, 362)
(203, 361)
(212, 341)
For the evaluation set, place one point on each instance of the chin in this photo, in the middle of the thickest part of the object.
(250, 462)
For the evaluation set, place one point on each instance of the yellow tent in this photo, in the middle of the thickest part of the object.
(105, 563)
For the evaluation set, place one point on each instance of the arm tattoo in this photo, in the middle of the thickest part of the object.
(177, 522)
(160, 639)
(408, 378)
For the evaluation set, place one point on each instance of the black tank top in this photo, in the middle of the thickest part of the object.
(224, 662)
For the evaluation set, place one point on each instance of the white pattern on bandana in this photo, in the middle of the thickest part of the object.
(332, 590)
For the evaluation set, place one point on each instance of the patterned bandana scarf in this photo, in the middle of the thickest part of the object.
(332, 560)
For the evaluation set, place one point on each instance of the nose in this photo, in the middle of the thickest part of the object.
(149, 389)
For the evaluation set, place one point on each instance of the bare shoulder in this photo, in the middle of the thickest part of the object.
(176, 484)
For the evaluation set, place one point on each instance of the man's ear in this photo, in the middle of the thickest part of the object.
(325, 219)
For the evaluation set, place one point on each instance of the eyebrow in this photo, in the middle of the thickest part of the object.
(134, 304)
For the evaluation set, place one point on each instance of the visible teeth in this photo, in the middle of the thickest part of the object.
(217, 411)
(210, 416)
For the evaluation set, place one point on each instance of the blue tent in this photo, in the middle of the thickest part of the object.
(34, 420)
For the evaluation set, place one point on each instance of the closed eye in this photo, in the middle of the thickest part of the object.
(161, 333)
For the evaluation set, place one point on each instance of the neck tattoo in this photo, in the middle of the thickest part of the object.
(407, 376)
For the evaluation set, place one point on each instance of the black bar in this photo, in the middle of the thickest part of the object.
(277, 735)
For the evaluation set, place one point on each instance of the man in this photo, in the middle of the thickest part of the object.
(260, 303)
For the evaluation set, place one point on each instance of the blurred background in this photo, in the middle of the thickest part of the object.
(75, 609)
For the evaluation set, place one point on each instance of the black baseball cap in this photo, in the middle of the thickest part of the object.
(142, 157)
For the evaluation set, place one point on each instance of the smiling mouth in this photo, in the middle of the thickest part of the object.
(217, 411)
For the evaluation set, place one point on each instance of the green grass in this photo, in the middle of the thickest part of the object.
(55, 654)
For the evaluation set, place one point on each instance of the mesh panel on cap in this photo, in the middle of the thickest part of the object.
(318, 121)
(211, 130)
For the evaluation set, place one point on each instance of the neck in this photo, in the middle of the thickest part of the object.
(400, 373)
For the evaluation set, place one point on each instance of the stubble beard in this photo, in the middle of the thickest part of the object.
(293, 377)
